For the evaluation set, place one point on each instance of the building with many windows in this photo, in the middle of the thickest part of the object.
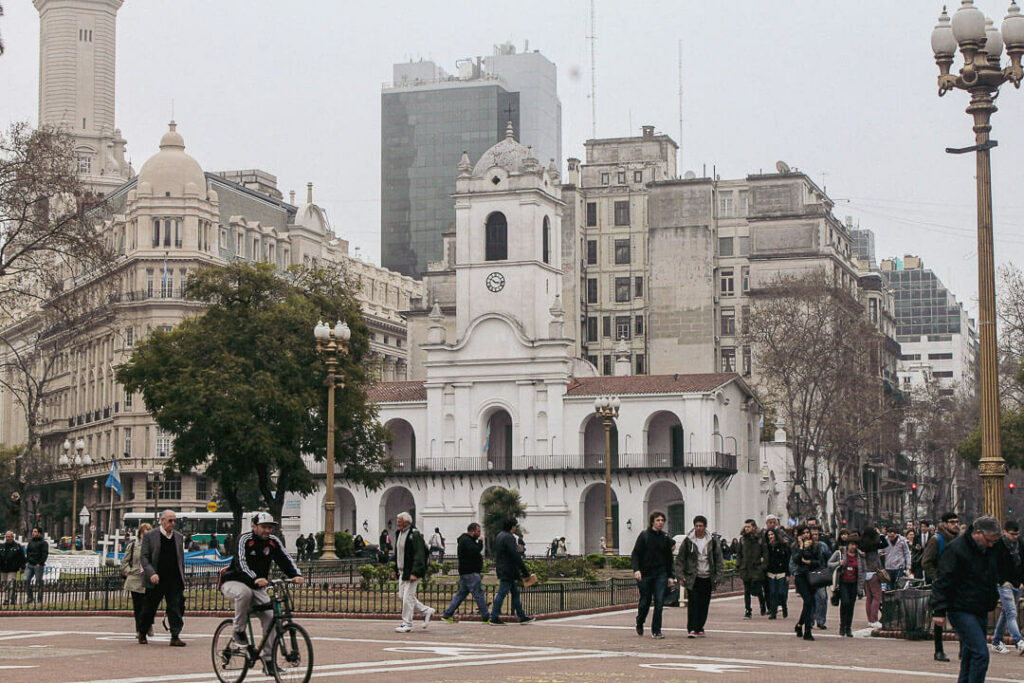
(429, 118)
(938, 340)
(504, 400)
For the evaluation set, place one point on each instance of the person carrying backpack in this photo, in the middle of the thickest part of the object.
(948, 530)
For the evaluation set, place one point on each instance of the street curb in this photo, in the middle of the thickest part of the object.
(338, 615)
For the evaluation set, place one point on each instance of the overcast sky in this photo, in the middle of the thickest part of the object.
(844, 91)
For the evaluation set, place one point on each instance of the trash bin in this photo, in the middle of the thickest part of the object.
(914, 610)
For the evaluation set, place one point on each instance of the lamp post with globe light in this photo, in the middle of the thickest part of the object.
(74, 465)
(607, 409)
(981, 45)
(331, 342)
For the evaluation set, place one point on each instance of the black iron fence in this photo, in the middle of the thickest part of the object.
(909, 611)
(326, 591)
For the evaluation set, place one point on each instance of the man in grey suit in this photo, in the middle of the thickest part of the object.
(163, 563)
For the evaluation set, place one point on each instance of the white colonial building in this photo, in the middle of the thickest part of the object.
(504, 401)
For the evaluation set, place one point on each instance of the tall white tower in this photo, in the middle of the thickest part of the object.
(77, 43)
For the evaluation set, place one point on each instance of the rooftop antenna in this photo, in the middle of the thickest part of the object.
(172, 109)
(680, 153)
(824, 187)
(593, 69)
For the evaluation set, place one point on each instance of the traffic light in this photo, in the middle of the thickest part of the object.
(1013, 487)
(913, 487)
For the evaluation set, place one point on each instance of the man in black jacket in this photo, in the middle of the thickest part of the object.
(509, 566)
(652, 568)
(245, 581)
(12, 560)
(471, 562)
(965, 592)
(1010, 565)
(36, 553)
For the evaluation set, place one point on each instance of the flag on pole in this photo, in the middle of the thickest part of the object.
(114, 479)
(487, 439)
(165, 292)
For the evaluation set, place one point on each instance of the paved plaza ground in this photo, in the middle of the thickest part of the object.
(600, 647)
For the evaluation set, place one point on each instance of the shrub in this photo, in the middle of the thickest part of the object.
(376, 575)
(730, 565)
(621, 562)
(343, 545)
(595, 561)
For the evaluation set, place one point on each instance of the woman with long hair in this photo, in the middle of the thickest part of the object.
(874, 572)
(806, 558)
(777, 572)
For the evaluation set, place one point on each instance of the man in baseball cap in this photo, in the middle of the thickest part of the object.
(245, 581)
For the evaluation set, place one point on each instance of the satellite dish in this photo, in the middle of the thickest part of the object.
(782, 167)
(689, 175)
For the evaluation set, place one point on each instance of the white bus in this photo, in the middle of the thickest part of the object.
(201, 525)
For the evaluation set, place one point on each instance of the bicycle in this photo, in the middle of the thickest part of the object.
(291, 650)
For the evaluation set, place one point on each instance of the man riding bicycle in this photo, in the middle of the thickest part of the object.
(245, 580)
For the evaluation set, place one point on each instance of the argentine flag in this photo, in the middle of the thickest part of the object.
(114, 479)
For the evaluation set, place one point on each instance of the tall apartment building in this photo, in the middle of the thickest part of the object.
(604, 244)
(429, 118)
(77, 46)
(938, 340)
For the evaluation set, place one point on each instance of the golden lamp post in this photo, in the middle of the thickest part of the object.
(981, 45)
(607, 409)
(331, 342)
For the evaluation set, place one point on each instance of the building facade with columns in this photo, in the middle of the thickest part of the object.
(505, 401)
(168, 221)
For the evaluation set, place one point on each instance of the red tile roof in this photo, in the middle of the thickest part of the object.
(648, 384)
(393, 392)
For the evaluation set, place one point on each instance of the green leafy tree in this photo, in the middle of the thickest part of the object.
(241, 386)
(500, 504)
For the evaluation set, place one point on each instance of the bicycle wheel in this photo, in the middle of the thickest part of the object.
(230, 660)
(292, 655)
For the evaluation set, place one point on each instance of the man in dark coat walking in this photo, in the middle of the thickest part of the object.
(751, 562)
(163, 565)
(509, 566)
(965, 592)
(652, 568)
(470, 550)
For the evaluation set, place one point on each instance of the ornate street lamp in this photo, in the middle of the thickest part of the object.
(981, 45)
(74, 465)
(607, 409)
(331, 342)
(156, 482)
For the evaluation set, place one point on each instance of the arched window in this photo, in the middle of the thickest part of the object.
(497, 237)
(546, 241)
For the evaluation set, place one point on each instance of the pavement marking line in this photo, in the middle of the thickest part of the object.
(683, 630)
(534, 653)
(16, 666)
(807, 665)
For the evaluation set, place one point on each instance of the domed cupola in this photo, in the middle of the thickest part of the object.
(311, 216)
(171, 172)
(508, 154)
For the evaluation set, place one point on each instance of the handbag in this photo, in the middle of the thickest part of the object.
(529, 580)
(819, 578)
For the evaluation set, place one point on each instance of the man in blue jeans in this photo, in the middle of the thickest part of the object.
(965, 592)
(509, 566)
(652, 568)
(36, 553)
(1010, 562)
(471, 561)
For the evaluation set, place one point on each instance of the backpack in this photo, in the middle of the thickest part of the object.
(942, 544)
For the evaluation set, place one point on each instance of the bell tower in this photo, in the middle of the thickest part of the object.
(77, 46)
(508, 238)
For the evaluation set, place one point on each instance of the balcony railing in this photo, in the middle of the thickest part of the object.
(706, 461)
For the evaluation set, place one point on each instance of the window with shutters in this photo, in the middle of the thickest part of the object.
(592, 290)
(621, 289)
(591, 252)
(728, 324)
(592, 328)
(622, 327)
(745, 275)
(639, 325)
(638, 286)
(622, 213)
(591, 214)
(607, 363)
(640, 365)
(606, 325)
(746, 361)
(728, 359)
(622, 255)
